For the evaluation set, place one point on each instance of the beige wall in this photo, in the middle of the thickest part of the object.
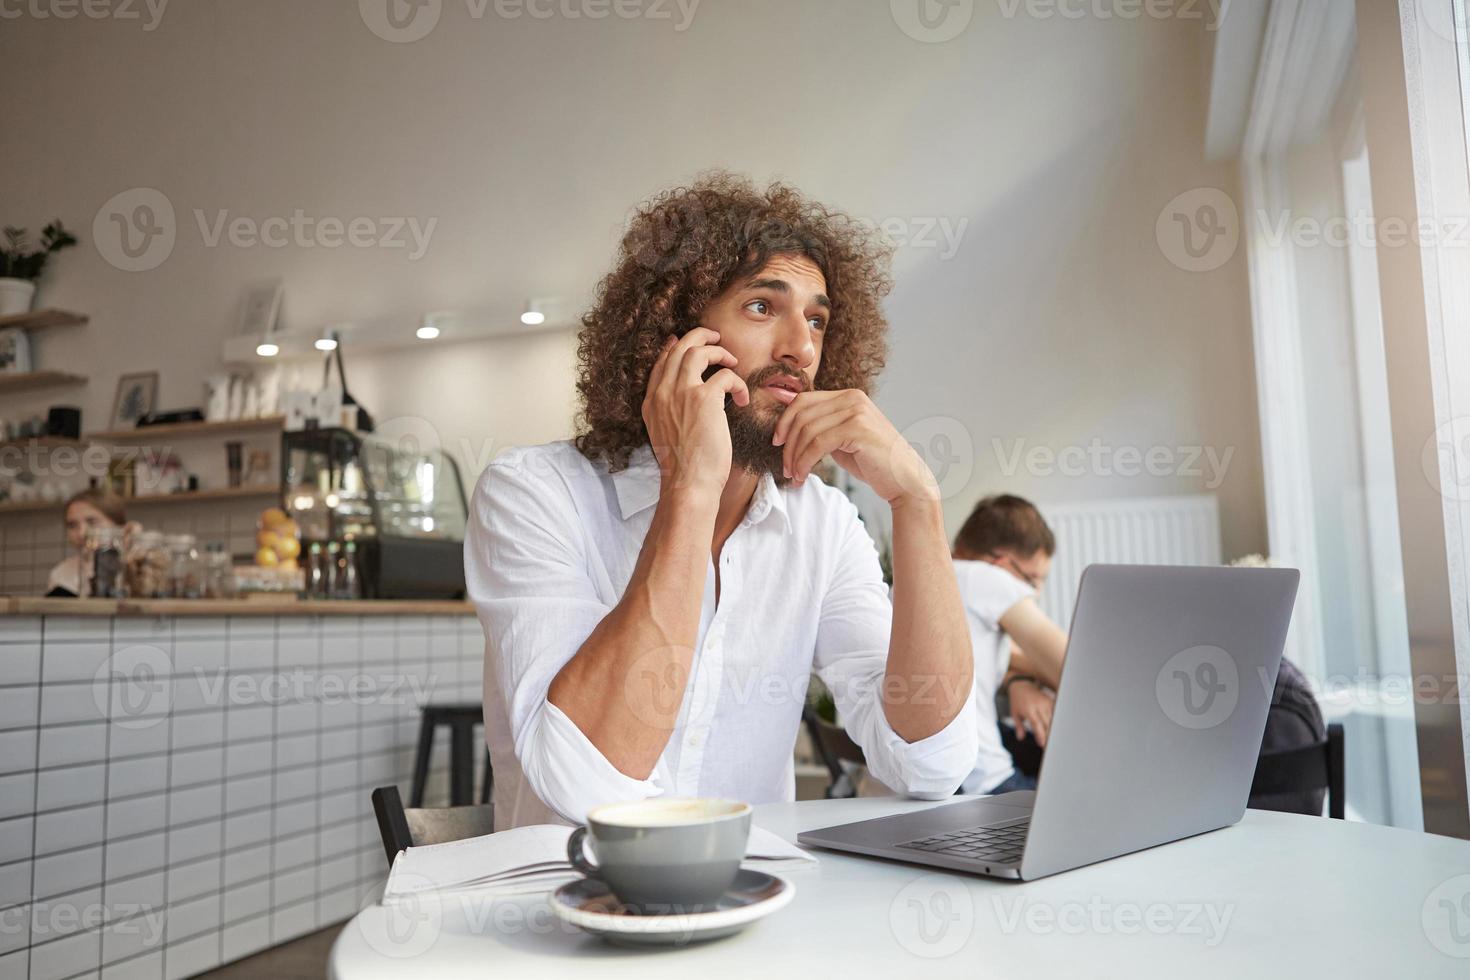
(1052, 144)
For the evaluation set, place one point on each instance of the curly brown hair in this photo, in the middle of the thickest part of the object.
(683, 249)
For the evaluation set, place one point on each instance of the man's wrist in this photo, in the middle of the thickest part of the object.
(692, 497)
(917, 504)
(1019, 678)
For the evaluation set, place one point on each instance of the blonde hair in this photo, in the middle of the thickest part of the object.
(106, 502)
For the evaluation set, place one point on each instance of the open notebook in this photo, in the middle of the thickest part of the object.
(533, 859)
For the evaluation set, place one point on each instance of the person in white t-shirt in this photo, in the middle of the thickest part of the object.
(1002, 556)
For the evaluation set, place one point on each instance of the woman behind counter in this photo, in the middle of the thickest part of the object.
(90, 508)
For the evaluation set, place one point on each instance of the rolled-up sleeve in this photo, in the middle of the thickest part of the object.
(527, 576)
(851, 659)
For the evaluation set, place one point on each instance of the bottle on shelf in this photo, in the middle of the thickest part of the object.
(332, 569)
(351, 583)
(317, 579)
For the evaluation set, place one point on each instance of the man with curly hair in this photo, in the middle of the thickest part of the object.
(656, 593)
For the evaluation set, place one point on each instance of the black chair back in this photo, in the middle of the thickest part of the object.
(402, 828)
(835, 747)
(1319, 765)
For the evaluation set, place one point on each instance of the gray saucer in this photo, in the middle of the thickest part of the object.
(589, 904)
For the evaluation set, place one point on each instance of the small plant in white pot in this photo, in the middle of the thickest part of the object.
(21, 265)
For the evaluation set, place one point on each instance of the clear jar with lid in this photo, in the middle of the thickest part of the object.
(146, 566)
(219, 572)
(186, 568)
(104, 562)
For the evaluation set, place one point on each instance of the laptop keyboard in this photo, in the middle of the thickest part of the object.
(1000, 843)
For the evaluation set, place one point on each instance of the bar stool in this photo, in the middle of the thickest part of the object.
(461, 720)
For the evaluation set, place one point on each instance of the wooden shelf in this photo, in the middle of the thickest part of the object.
(43, 442)
(31, 380)
(155, 499)
(187, 430)
(43, 320)
(193, 496)
(28, 506)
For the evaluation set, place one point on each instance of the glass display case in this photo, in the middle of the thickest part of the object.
(400, 505)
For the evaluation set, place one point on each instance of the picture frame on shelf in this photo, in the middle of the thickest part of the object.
(260, 309)
(15, 351)
(137, 396)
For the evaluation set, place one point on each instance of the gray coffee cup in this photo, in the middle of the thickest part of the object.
(664, 855)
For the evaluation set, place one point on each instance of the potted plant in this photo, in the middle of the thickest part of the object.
(21, 265)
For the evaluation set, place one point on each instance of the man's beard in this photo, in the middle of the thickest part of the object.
(753, 427)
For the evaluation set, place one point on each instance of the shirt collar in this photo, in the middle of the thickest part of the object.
(637, 488)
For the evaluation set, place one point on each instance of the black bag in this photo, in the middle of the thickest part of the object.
(1294, 720)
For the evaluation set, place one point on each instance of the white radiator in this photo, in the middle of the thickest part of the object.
(1181, 530)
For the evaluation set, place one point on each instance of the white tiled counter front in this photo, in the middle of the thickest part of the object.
(177, 792)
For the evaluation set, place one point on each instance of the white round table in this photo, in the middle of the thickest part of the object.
(1276, 895)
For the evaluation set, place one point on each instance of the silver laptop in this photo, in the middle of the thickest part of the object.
(1158, 723)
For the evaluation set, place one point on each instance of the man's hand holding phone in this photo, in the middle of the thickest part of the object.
(685, 412)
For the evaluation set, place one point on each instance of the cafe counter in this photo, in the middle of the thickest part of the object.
(186, 782)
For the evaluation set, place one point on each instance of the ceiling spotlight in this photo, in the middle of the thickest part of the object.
(327, 341)
(533, 315)
(267, 349)
(427, 332)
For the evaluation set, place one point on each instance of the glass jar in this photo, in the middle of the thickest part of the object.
(219, 572)
(104, 564)
(186, 568)
(147, 566)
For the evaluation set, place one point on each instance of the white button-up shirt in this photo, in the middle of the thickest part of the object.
(552, 543)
